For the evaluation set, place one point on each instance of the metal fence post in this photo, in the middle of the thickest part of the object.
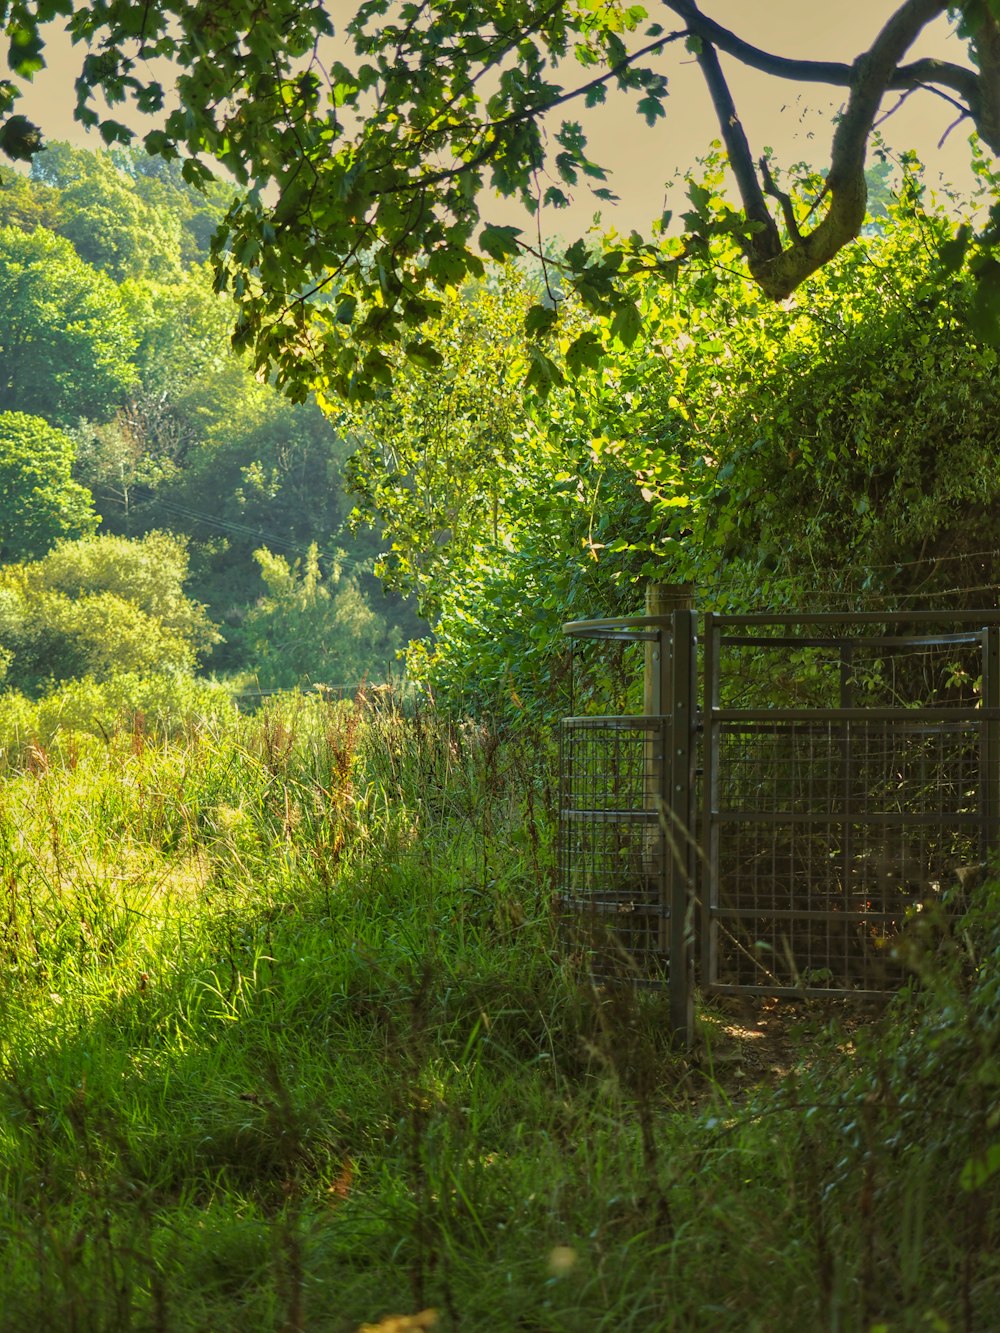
(677, 812)
(990, 745)
(709, 841)
(669, 685)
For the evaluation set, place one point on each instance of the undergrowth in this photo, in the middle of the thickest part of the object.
(286, 1043)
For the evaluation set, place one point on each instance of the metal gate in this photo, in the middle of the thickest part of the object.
(828, 826)
(841, 777)
(627, 854)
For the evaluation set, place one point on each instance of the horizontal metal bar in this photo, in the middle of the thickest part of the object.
(612, 907)
(574, 814)
(957, 715)
(634, 980)
(855, 818)
(984, 616)
(855, 640)
(800, 992)
(849, 916)
(637, 628)
(620, 722)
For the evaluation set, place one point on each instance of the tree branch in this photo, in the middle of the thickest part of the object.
(767, 241)
(785, 200)
(837, 74)
(489, 149)
(779, 271)
(986, 45)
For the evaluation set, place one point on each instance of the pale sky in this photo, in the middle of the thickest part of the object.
(794, 120)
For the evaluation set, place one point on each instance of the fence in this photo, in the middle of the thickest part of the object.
(842, 774)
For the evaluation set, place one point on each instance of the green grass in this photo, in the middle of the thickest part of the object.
(287, 1042)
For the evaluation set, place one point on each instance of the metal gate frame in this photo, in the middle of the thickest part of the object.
(687, 891)
(845, 727)
(667, 814)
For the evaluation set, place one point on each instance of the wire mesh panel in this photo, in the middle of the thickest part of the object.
(611, 846)
(829, 837)
(828, 829)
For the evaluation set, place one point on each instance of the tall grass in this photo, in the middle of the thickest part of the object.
(285, 1043)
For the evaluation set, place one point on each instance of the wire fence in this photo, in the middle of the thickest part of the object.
(845, 770)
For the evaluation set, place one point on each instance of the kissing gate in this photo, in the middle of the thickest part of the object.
(841, 774)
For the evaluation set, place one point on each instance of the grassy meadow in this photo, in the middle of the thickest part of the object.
(287, 1042)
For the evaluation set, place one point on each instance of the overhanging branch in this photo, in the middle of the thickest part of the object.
(838, 74)
(779, 271)
(767, 241)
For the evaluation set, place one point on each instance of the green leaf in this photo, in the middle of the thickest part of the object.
(651, 108)
(346, 309)
(543, 373)
(627, 324)
(952, 253)
(424, 354)
(984, 317)
(24, 55)
(159, 144)
(113, 131)
(500, 243)
(376, 368)
(577, 256)
(700, 197)
(979, 1168)
(20, 139)
(539, 320)
(448, 266)
(585, 353)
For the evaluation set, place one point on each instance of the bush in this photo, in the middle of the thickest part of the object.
(160, 705)
(40, 503)
(98, 607)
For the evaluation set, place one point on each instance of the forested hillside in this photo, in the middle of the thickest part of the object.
(125, 416)
(506, 469)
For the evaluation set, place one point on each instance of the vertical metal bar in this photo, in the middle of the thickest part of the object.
(847, 763)
(710, 783)
(656, 693)
(989, 836)
(678, 811)
(662, 779)
(662, 600)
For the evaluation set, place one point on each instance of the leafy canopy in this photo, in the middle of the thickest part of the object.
(310, 630)
(835, 451)
(66, 340)
(111, 226)
(40, 503)
(98, 607)
(365, 159)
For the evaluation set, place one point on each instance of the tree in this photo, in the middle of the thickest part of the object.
(25, 204)
(834, 451)
(40, 503)
(364, 174)
(310, 630)
(126, 213)
(110, 225)
(506, 517)
(65, 339)
(858, 446)
(160, 183)
(98, 607)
